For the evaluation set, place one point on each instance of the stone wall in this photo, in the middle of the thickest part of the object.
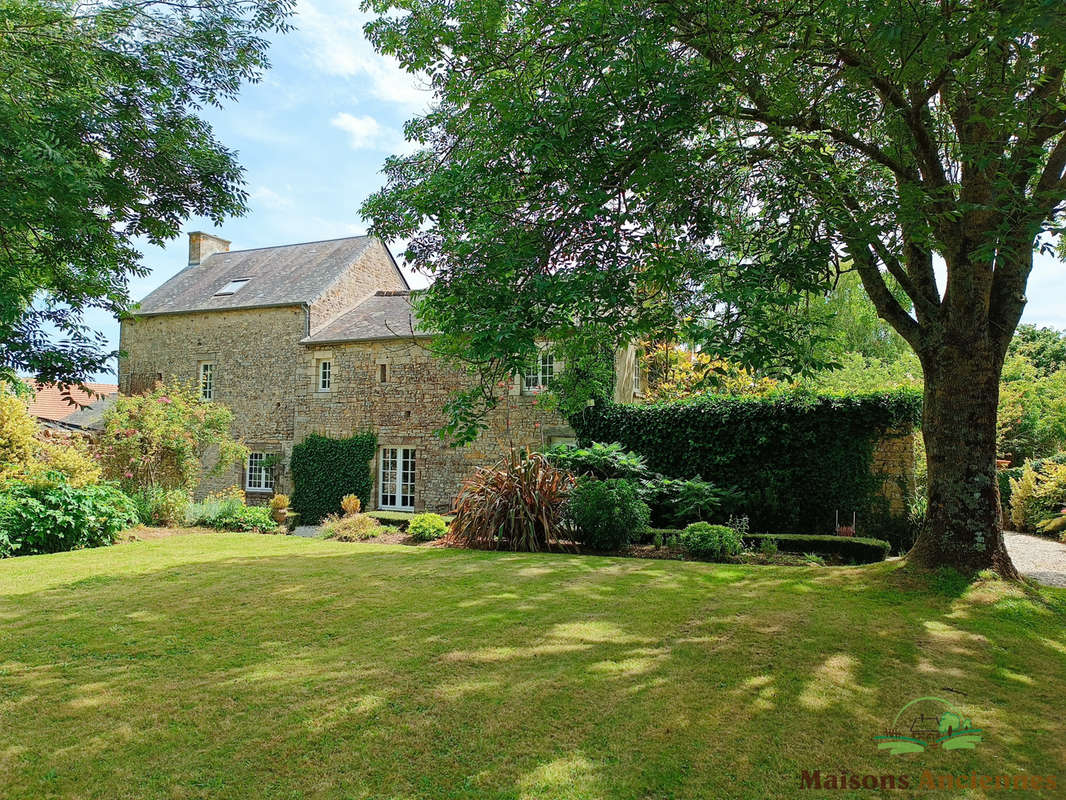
(405, 411)
(375, 270)
(893, 462)
(255, 352)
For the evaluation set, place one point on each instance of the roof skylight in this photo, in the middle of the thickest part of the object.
(231, 287)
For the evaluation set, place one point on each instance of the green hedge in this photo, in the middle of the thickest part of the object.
(858, 549)
(324, 470)
(399, 519)
(795, 457)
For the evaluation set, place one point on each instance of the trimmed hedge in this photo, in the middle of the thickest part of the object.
(324, 470)
(399, 519)
(859, 549)
(796, 458)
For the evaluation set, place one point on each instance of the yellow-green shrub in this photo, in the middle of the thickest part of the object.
(1038, 495)
(352, 528)
(18, 431)
(71, 456)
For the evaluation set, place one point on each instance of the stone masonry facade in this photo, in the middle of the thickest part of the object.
(268, 374)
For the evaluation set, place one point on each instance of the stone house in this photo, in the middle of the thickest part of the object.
(320, 338)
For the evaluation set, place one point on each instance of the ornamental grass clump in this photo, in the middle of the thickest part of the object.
(515, 505)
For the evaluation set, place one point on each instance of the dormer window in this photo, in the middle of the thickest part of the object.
(232, 287)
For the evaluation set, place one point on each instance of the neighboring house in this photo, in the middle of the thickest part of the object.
(320, 338)
(73, 409)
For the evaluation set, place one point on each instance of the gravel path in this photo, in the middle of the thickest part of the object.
(1039, 558)
(306, 531)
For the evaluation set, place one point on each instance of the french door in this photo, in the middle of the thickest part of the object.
(396, 479)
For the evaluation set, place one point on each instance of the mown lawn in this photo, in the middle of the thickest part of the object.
(238, 665)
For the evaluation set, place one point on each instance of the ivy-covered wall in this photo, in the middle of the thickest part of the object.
(797, 458)
(324, 470)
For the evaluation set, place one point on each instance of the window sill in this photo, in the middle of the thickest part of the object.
(259, 491)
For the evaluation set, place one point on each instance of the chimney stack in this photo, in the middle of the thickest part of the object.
(202, 245)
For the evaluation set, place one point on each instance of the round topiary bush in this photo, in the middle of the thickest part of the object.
(606, 515)
(703, 540)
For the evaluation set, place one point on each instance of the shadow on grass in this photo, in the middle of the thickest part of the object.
(363, 672)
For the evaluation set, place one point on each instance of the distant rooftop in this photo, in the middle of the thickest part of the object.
(267, 276)
(385, 315)
(49, 404)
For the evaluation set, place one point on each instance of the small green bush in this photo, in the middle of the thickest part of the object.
(246, 518)
(598, 460)
(607, 514)
(768, 547)
(48, 515)
(1038, 495)
(158, 506)
(427, 527)
(703, 540)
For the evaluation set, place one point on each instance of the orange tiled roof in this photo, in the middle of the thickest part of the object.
(49, 402)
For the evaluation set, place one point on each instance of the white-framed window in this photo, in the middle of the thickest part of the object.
(539, 374)
(396, 478)
(207, 380)
(325, 375)
(260, 477)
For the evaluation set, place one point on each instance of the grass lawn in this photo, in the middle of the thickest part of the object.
(239, 665)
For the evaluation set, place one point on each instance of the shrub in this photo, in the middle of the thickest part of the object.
(160, 438)
(245, 518)
(794, 457)
(607, 514)
(350, 504)
(677, 502)
(18, 442)
(279, 502)
(27, 451)
(515, 505)
(703, 540)
(1038, 495)
(70, 455)
(351, 528)
(857, 549)
(324, 470)
(768, 547)
(158, 506)
(48, 515)
(598, 460)
(427, 527)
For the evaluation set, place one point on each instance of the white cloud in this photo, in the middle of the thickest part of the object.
(366, 133)
(268, 198)
(336, 44)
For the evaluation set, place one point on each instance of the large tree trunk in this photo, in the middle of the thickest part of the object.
(962, 528)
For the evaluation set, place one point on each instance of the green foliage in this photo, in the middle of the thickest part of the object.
(859, 374)
(711, 542)
(158, 439)
(794, 458)
(515, 505)
(48, 515)
(768, 547)
(851, 549)
(18, 442)
(606, 514)
(324, 470)
(1038, 495)
(676, 502)
(1044, 347)
(158, 506)
(598, 460)
(105, 147)
(27, 451)
(244, 518)
(1031, 419)
(427, 527)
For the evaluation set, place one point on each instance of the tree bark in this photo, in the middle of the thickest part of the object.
(962, 527)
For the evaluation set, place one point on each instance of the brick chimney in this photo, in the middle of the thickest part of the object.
(202, 245)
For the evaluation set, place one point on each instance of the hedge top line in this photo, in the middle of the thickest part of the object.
(895, 407)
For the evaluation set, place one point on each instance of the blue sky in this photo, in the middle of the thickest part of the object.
(312, 137)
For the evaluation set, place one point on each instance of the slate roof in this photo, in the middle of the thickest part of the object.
(277, 276)
(49, 404)
(384, 315)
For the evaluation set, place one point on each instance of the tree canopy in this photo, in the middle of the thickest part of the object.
(705, 166)
(102, 144)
